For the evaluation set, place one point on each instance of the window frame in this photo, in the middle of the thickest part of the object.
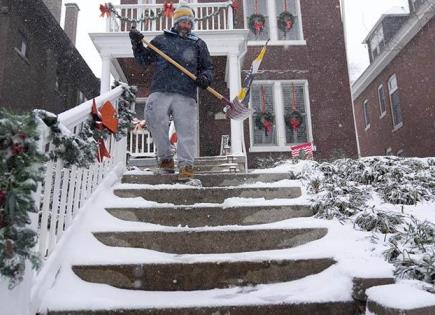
(391, 91)
(273, 27)
(382, 112)
(366, 114)
(23, 50)
(278, 107)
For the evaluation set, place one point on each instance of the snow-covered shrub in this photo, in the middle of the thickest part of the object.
(379, 221)
(412, 251)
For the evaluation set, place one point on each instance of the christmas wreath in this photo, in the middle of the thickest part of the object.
(264, 121)
(286, 21)
(294, 121)
(256, 23)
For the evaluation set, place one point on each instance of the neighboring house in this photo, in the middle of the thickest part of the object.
(394, 99)
(305, 69)
(39, 65)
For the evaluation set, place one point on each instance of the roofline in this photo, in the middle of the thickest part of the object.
(406, 33)
(374, 28)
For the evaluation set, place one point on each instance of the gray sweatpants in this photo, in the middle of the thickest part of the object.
(183, 109)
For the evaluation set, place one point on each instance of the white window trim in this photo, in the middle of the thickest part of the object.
(278, 109)
(399, 125)
(273, 26)
(383, 113)
(366, 114)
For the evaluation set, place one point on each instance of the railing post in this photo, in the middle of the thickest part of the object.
(105, 74)
(230, 25)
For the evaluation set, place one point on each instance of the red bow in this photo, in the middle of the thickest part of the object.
(105, 10)
(168, 8)
(235, 5)
(294, 123)
(288, 25)
(258, 26)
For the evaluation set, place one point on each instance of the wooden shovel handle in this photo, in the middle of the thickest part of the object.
(180, 67)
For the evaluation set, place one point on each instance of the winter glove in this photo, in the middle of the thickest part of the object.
(202, 81)
(136, 38)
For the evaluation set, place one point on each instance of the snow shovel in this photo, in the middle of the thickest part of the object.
(233, 110)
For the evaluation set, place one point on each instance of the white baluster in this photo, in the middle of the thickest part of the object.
(43, 236)
(62, 207)
(55, 206)
(72, 185)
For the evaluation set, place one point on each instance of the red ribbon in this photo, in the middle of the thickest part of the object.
(105, 10)
(102, 150)
(168, 8)
(268, 126)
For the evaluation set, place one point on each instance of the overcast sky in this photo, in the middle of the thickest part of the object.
(361, 15)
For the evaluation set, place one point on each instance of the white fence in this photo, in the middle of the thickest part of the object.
(140, 144)
(65, 190)
(222, 18)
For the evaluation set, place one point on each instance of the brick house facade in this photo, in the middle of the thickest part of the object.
(394, 99)
(39, 65)
(304, 69)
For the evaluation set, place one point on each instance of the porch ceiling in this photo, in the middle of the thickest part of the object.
(220, 43)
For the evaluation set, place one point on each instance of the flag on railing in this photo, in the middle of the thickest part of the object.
(302, 150)
(255, 66)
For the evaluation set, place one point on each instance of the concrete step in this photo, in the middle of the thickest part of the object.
(212, 216)
(311, 308)
(212, 241)
(208, 180)
(224, 167)
(202, 275)
(190, 196)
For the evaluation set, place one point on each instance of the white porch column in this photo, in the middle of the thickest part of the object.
(105, 74)
(235, 84)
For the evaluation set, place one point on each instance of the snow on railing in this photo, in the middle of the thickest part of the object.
(65, 190)
(220, 17)
(140, 144)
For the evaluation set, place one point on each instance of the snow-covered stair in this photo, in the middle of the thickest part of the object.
(220, 249)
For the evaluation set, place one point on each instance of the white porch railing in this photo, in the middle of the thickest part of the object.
(65, 190)
(140, 144)
(223, 20)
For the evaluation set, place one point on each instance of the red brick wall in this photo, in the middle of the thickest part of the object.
(415, 71)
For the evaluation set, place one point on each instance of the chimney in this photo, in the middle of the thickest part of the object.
(71, 17)
(55, 7)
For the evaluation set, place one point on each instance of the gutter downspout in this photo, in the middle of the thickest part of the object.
(343, 19)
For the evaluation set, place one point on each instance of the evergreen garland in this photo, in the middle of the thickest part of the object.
(81, 149)
(20, 171)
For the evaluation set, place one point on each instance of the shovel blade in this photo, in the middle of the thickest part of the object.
(236, 110)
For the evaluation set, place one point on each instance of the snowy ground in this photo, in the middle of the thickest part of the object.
(355, 253)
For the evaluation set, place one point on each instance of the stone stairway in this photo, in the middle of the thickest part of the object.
(202, 227)
(209, 165)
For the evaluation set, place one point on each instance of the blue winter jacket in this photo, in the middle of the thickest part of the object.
(191, 52)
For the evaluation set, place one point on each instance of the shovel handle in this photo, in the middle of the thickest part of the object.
(180, 67)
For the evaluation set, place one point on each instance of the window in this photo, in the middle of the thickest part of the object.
(281, 115)
(396, 112)
(366, 114)
(82, 98)
(382, 100)
(264, 122)
(275, 20)
(294, 113)
(22, 46)
(377, 43)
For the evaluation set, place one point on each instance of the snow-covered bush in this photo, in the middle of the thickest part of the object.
(343, 189)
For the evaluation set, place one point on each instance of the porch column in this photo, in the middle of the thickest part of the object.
(235, 84)
(105, 74)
